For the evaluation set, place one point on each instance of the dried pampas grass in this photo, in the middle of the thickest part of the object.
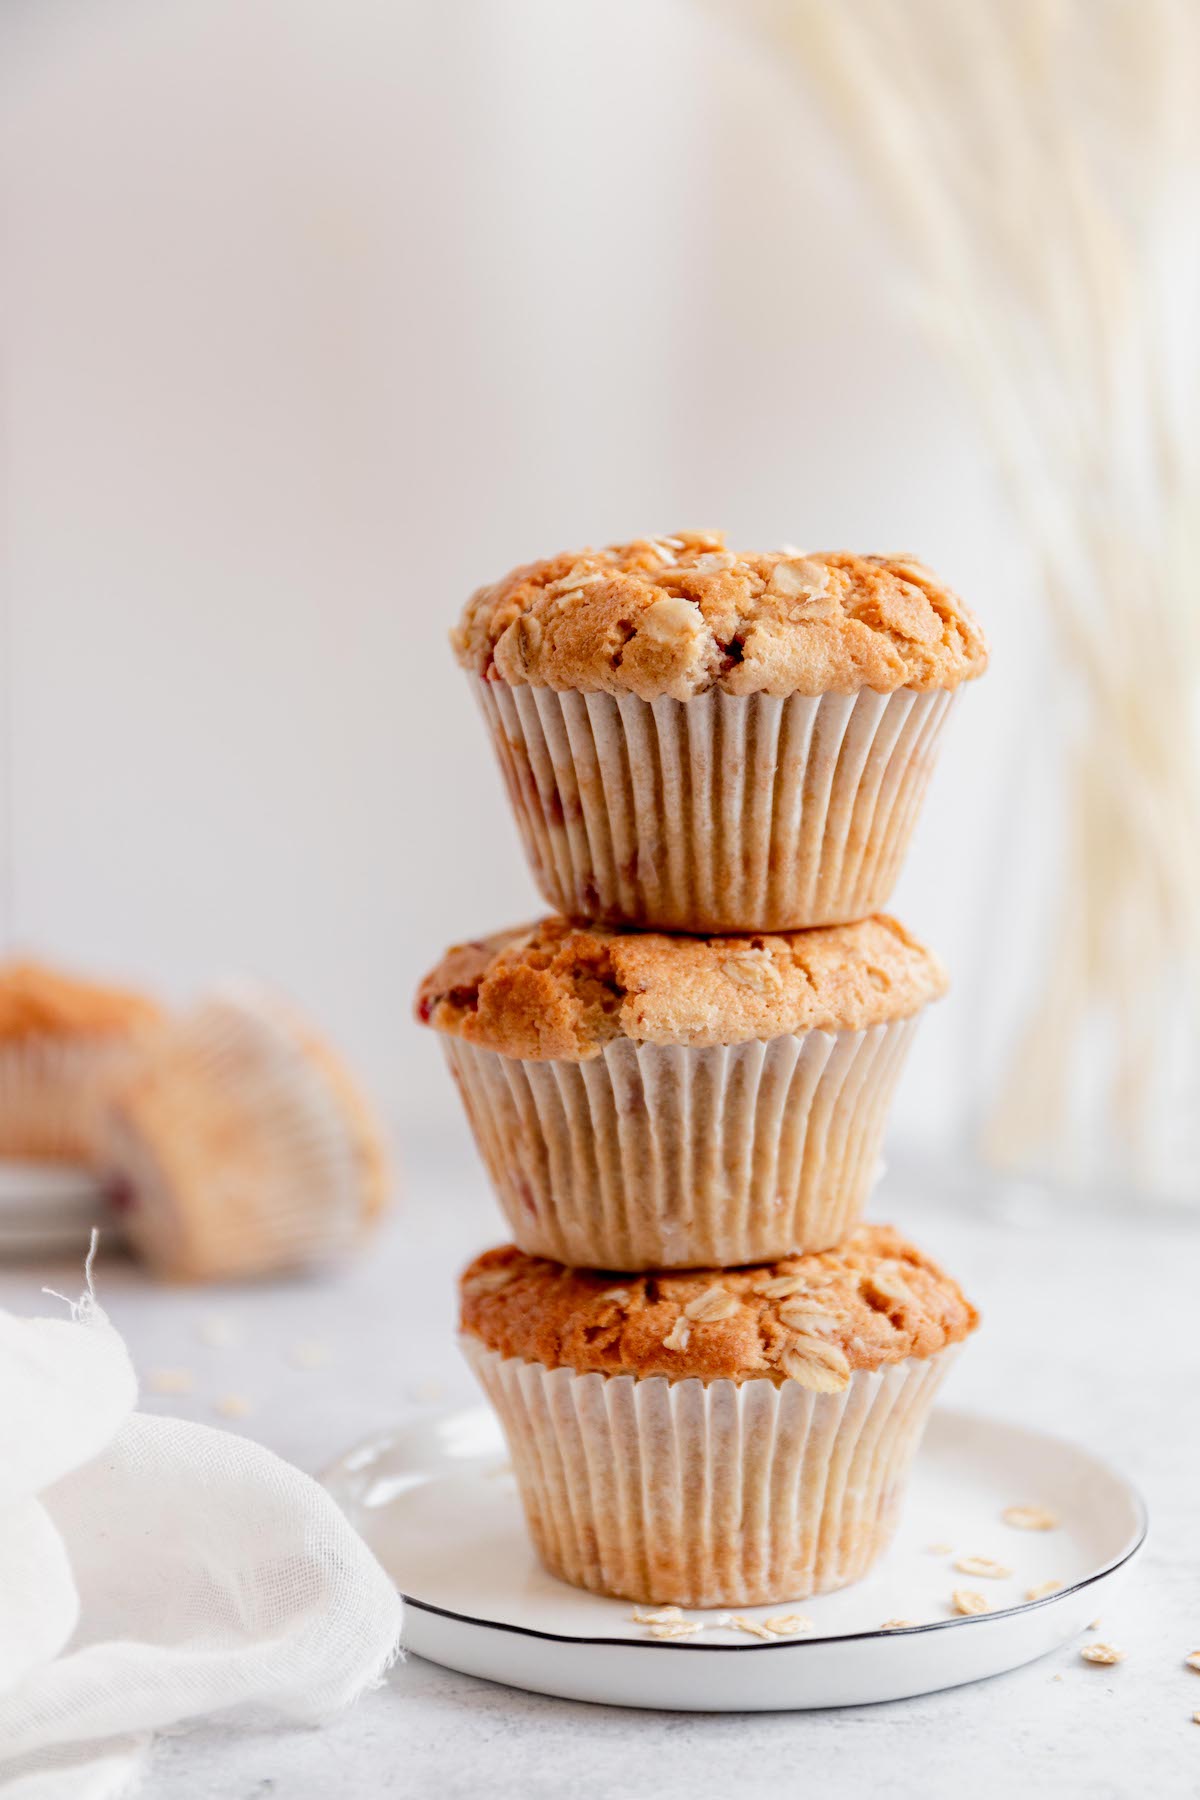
(1038, 162)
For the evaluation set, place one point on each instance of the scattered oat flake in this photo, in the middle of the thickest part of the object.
(576, 577)
(967, 1601)
(887, 1283)
(788, 1624)
(1095, 1625)
(233, 1406)
(754, 969)
(815, 1364)
(1193, 1661)
(219, 1332)
(1030, 1518)
(799, 1315)
(675, 1628)
(489, 1281)
(171, 1381)
(309, 1353)
(1102, 1653)
(897, 1624)
(940, 1549)
(781, 1286)
(679, 1335)
(1196, 1718)
(713, 1304)
(754, 1626)
(427, 1390)
(1042, 1589)
(983, 1565)
(662, 1615)
(798, 576)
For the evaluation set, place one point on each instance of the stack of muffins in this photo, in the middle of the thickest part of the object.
(711, 1375)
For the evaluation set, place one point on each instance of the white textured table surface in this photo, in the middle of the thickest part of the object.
(1090, 1329)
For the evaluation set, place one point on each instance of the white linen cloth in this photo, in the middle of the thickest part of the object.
(155, 1572)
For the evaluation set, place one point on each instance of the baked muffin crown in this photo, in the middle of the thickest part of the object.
(553, 990)
(37, 1000)
(873, 1300)
(675, 617)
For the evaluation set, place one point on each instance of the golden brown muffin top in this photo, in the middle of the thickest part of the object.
(553, 990)
(813, 1319)
(38, 1001)
(677, 616)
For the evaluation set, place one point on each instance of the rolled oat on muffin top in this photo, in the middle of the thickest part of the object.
(553, 990)
(675, 617)
(873, 1300)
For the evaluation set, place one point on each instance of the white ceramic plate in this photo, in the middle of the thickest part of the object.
(50, 1209)
(438, 1504)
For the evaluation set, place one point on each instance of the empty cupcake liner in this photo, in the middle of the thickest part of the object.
(230, 1151)
(717, 1494)
(720, 813)
(654, 1156)
(50, 1095)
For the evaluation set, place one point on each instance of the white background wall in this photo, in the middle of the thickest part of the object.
(317, 314)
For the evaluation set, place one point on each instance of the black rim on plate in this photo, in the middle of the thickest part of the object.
(798, 1643)
(804, 1643)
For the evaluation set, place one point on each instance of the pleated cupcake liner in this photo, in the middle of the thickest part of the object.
(655, 1156)
(709, 1494)
(229, 1150)
(51, 1092)
(733, 813)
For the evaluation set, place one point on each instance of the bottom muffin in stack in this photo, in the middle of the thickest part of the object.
(728, 1437)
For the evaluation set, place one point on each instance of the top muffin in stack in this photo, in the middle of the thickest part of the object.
(701, 741)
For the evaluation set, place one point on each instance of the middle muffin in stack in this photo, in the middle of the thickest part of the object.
(653, 1102)
(697, 742)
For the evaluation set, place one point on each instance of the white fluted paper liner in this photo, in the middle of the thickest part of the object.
(655, 1156)
(709, 1494)
(720, 813)
(233, 1150)
(50, 1093)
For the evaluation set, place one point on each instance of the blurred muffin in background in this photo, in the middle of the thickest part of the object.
(61, 1040)
(237, 1144)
